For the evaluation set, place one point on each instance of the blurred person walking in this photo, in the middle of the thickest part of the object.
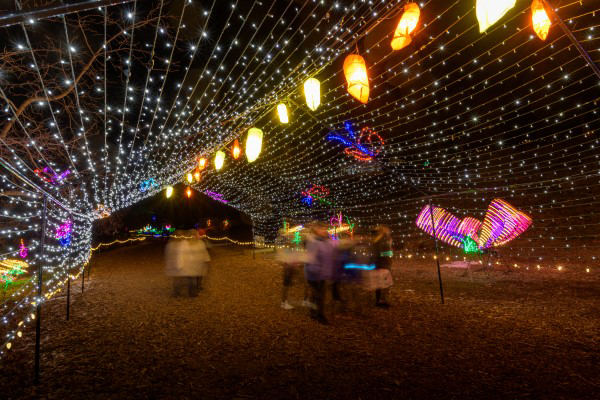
(319, 268)
(198, 261)
(382, 248)
(186, 261)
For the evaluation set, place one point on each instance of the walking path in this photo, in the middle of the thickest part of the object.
(127, 338)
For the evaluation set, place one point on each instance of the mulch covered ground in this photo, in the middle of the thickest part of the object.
(525, 333)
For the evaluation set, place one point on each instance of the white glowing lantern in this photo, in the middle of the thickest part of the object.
(169, 191)
(312, 92)
(283, 115)
(219, 160)
(253, 143)
(490, 11)
(190, 177)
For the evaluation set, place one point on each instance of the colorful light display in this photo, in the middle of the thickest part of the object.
(216, 196)
(355, 70)
(147, 185)
(407, 24)
(364, 147)
(48, 175)
(63, 233)
(315, 192)
(10, 268)
(102, 211)
(502, 224)
(23, 250)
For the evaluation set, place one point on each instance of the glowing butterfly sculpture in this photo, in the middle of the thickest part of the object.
(490, 11)
(364, 147)
(539, 18)
(502, 223)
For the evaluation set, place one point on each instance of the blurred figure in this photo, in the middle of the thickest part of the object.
(319, 268)
(291, 261)
(382, 248)
(186, 261)
(198, 258)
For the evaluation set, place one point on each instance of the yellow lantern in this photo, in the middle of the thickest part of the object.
(197, 175)
(236, 150)
(201, 163)
(253, 143)
(219, 160)
(490, 11)
(169, 191)
(541, 21)
(355, 70)
(312, 92)
(190, 177)
(406, 25)
(283, 115)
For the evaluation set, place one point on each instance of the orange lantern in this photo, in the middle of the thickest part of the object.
(188, 192)
(236, 150)
(197, 175)
(355, 70)
(540, 19)
(407, 24)
(201, 163)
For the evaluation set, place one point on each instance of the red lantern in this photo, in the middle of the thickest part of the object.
(236, 150)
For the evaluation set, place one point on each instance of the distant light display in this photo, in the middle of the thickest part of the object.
(502, 223)
(48, 175)
(364, 147)
(147, 185)
(216, 196)
(23, 250)
(63, 233)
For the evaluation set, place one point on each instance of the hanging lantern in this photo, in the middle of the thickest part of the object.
(236, 150)
(201, 163)
(407, 24)
(490, 11)
(283, 115)
(253, 143)
(169, 191)
(312, 92)
(197, 175)
(541, 21)
(190, 177)
(219, 160)
(355, 70)
(188, 192)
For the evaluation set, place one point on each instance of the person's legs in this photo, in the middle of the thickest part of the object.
(319, 298)
(192, 292)
(176, 286)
